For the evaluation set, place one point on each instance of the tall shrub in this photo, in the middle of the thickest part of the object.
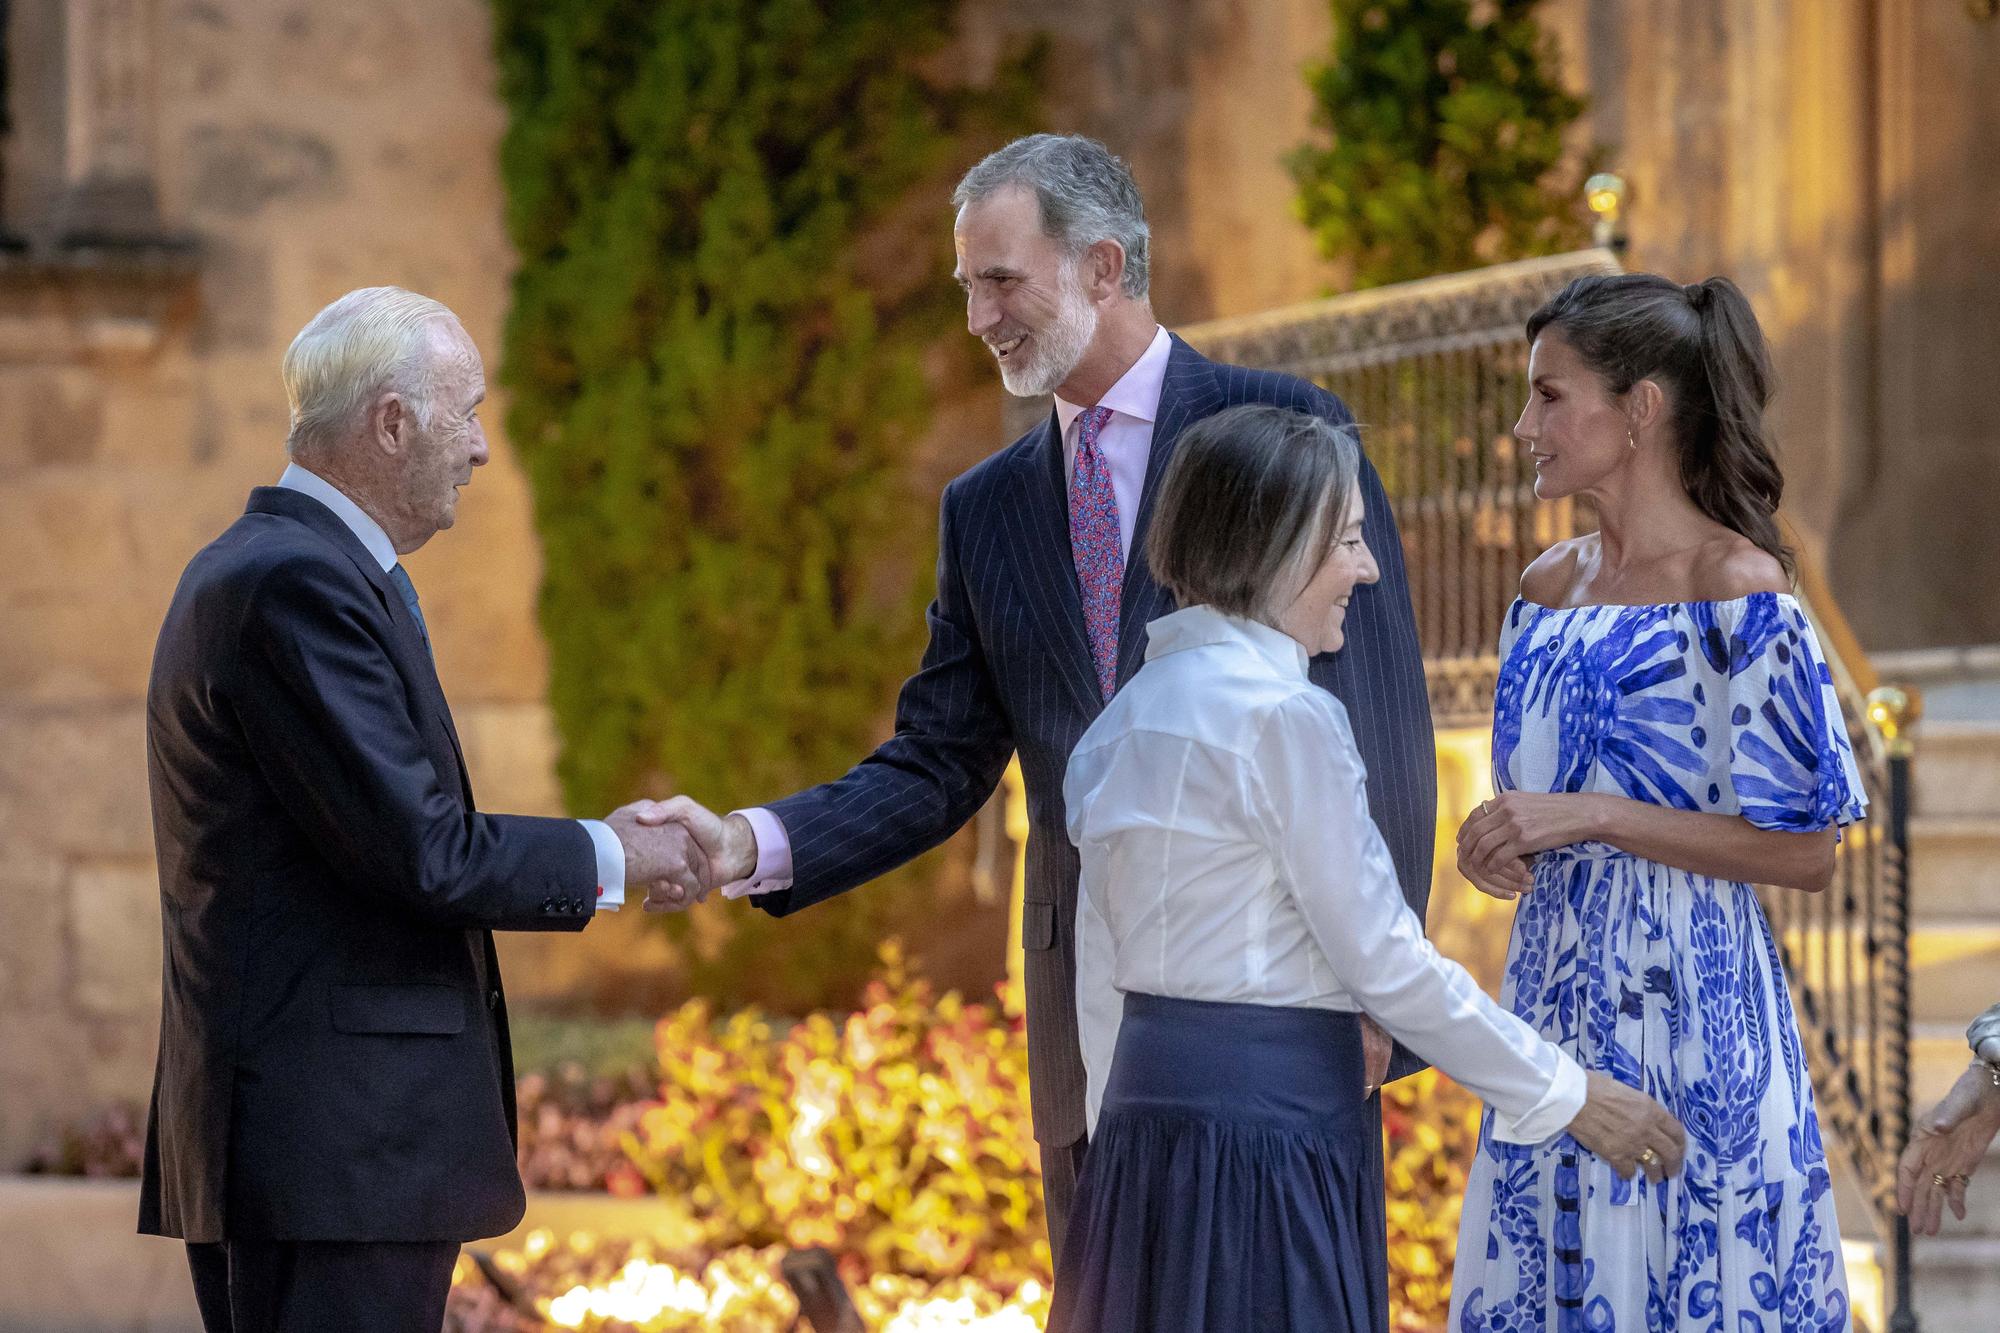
(1446, 121)
(730, 217)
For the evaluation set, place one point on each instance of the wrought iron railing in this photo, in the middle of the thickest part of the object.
(1435, 373)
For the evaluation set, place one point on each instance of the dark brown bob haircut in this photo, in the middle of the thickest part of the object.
(1250, 506)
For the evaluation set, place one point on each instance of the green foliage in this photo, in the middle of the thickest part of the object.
(1447, 122)
(599, 1047)
(731, 222)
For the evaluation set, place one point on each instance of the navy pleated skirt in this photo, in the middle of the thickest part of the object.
(1234, 1184)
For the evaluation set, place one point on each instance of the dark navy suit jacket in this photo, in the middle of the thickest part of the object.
(334, 1062)
(1008, 668)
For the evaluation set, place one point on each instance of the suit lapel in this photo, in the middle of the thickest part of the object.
(417, 664)
(1187, 394)
(1047, 568)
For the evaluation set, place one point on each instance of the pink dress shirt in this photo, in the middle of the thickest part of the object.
(1127, 442)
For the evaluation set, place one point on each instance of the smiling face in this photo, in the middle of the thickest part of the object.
(1025, 297)
(1577, 432)
(1317, 617)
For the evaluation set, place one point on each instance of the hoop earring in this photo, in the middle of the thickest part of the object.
(1631, 441)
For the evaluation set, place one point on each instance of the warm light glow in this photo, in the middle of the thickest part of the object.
(640, 1294)
(963, 1313)
(1865, 1290)
(656, 1297)
(816, 1103)
(1605, 193)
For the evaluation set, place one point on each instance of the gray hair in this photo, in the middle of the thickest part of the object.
(1250, 507)
(372, 340)
(1086, 194)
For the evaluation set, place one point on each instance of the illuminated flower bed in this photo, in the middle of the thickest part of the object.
(616, 1285)
(898, 1138)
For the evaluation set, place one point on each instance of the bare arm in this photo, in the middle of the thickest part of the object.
(1516, 824)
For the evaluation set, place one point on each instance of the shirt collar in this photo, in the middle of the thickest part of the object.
(1202, 626)
(1137, 392)
(365, 528)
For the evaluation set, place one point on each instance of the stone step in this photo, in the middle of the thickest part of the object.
(1959, 684)
(1955, 1282)
(1957, 769)
(1938, 1055)
(1954, 968)
(1955, 866)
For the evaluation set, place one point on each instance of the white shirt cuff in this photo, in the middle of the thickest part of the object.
(1553, 1112)
(610, 864)
(774, 856)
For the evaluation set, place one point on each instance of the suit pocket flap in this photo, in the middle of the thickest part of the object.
(432, 1010)
(1038, 925)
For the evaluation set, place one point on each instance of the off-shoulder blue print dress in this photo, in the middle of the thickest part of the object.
(1665, 980)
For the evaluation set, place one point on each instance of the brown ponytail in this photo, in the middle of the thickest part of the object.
(1702, 343)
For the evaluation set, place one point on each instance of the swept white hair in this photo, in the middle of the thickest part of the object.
(372, 340)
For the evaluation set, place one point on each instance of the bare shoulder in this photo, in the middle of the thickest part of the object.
(1734, 566)
(1550, 576)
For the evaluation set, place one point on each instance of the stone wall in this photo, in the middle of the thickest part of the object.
(307, 149)
(1835, 160)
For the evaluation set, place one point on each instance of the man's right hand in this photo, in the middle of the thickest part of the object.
(1623, 1125)
(730, 844)
(665, 857)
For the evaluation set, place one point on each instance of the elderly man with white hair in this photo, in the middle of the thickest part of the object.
(333, 1110)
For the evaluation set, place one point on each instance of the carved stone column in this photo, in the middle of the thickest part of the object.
(108, 150)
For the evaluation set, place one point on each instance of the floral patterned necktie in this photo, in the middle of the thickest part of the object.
(1093, 542)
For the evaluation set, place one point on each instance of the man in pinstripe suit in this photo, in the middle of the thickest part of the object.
(1052, 253)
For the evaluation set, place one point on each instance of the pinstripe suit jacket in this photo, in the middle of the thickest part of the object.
(1008, 668)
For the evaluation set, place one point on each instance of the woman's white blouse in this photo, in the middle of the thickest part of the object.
(1220, 809)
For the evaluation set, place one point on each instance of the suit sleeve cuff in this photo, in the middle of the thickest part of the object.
(1553, 1112)
(774, 856)
(610, 864)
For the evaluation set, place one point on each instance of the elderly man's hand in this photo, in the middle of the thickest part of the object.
(665, 857)
(1945, 1150)
(729, 843)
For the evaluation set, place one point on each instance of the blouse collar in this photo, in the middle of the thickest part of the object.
(1202, 626)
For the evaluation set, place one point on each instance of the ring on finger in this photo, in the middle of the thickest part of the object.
(1647, 1157)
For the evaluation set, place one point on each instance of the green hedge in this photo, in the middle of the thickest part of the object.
(733, 237)
(1447, 123)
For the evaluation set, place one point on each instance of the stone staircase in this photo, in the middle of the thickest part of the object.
(1955, 949)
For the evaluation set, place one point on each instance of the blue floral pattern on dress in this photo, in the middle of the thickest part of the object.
(1663, 979)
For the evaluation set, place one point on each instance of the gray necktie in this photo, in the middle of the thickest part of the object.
(409, 591)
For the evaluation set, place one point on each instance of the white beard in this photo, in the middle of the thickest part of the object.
(1056, 350)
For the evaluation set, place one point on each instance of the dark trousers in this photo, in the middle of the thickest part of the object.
(277, 1286)
(1061, 1165)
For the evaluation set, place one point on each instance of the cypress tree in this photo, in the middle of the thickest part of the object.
(1447, 124)
(733, 255)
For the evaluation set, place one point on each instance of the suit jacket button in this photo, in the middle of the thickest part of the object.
(548, 904)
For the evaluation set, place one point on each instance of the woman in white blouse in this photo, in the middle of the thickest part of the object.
(1237, 894)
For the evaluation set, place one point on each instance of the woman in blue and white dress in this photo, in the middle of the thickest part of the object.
(1665, 735)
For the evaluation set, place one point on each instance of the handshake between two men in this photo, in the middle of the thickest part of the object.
(679, 851)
